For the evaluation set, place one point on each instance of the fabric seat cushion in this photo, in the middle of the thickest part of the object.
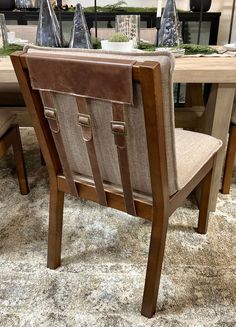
(10, 95)
(193, 150)
(6, 119)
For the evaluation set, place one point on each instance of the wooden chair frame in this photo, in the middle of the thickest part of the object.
(162, 206)
(12, 138)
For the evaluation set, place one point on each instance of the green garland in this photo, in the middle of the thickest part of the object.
(10, 49)
(190, 49)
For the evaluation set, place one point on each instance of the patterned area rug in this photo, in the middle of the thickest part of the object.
(100, 282)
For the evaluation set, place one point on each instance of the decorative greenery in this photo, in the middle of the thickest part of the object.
(10, 49)
(191, 49)
(146, 46)
(111, 8)
(118, 37)
(96, 43)
(116, 6)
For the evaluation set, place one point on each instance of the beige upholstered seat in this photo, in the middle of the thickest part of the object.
(105, 124)
(192, 150)
(10, 136)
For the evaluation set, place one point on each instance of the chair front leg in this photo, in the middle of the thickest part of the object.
(55, 225)
(204, 204)
(154, 266)
(19, 160)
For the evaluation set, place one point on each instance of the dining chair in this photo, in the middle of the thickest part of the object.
(10, 136)
(230, 154)
(105, 125)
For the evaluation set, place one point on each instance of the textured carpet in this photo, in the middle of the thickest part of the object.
(100, 282)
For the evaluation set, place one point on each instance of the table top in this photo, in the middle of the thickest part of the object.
(205, 70)
(187, 70)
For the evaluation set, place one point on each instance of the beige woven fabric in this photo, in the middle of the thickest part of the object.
(6, 119)
(101, 114)
(193, 150)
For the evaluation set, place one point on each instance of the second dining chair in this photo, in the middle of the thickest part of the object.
(10, 137)
(105, 125)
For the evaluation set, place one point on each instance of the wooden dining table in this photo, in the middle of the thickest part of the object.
(220, 72)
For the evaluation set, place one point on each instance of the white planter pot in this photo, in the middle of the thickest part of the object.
(117, 46)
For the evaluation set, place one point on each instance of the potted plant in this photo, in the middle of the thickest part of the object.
(117, 42)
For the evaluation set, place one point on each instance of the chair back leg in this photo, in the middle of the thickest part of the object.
(19, 159)
(154, 266)
(204, 204)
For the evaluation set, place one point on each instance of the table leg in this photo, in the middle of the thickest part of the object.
(216, 123)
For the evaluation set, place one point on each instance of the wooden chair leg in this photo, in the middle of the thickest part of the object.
(55, 226)
(19, 159)
(155, 259)
(204, 204)
(229, 161)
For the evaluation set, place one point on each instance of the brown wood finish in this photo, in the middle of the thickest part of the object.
(158, 208)
(12, 138)
(229, 161)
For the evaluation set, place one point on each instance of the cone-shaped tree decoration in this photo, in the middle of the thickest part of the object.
(169, 31)
(80, 37)
(48, 31)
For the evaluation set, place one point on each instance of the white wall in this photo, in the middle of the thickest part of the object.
(224, 6)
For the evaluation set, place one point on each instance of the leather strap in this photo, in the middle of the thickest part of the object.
(97, 78)
(118, 127)
(84, 120)
(50, 113)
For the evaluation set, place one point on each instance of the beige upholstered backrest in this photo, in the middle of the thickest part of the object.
(101, 113)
